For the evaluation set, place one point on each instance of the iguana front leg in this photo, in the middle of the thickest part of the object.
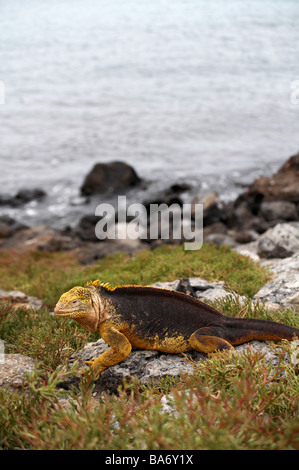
(120, 349)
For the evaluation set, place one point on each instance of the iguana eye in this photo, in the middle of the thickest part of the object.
(74, 302)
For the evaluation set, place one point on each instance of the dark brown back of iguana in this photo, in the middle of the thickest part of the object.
(169, 321)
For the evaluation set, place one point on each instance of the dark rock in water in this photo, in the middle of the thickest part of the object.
(86, 228)
(9, 226)
(23, 197)
(161, 210)
(214, 210)
(168, 196)
(114, 176)
(179, 188)
(159, 200)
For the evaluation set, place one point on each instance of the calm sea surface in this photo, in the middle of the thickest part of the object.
(184, 90)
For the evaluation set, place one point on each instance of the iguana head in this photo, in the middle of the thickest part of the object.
(76, 303)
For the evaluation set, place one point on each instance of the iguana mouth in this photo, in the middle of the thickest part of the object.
(70, 313)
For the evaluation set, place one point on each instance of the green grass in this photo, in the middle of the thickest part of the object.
(48, 275)
(45, 337)
(236, 402)
(230, 402)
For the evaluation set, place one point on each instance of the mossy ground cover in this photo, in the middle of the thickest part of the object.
(47, 275)
(231, 401)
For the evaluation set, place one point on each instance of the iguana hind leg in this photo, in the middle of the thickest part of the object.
(120, 349)
(209, 340)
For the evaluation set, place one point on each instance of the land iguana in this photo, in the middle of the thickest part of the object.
(158, 319)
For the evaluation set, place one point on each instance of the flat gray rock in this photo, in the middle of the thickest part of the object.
(150, 366)
(146, 366)
(13, 370)
(281, 241)
(204, 290)
(19, 299)
(283, 290)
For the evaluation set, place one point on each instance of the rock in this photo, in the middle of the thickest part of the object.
(220, 239)
(185, 287)
(268, 200)
(241, 217)
(168, 196)
(13, 370)
(245, 236)
(119, 231)
(90, 252)
(279, 242)
(164, 225)
(219, 234)
(283, 290)
(41, 238)
(146, 366)
(9, 226)
(159, 199)
(202, 289)
(114, 176)
(250, 250)
(214, 218)
(262, 347)
(162, 210)
(286, 265)
(23, 197)
(282, 186)
(86, 227)
(214, 210)
(179, 188)
(278, 210)
(217, 227)
(19, 299)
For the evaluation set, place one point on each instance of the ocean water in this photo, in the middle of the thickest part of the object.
(195, 91)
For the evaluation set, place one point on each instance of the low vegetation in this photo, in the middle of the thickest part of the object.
(47, 275)
(230, 402)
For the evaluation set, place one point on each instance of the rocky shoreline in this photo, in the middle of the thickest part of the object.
(262, 222)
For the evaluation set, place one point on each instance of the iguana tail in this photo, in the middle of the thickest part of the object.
(240, 330)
